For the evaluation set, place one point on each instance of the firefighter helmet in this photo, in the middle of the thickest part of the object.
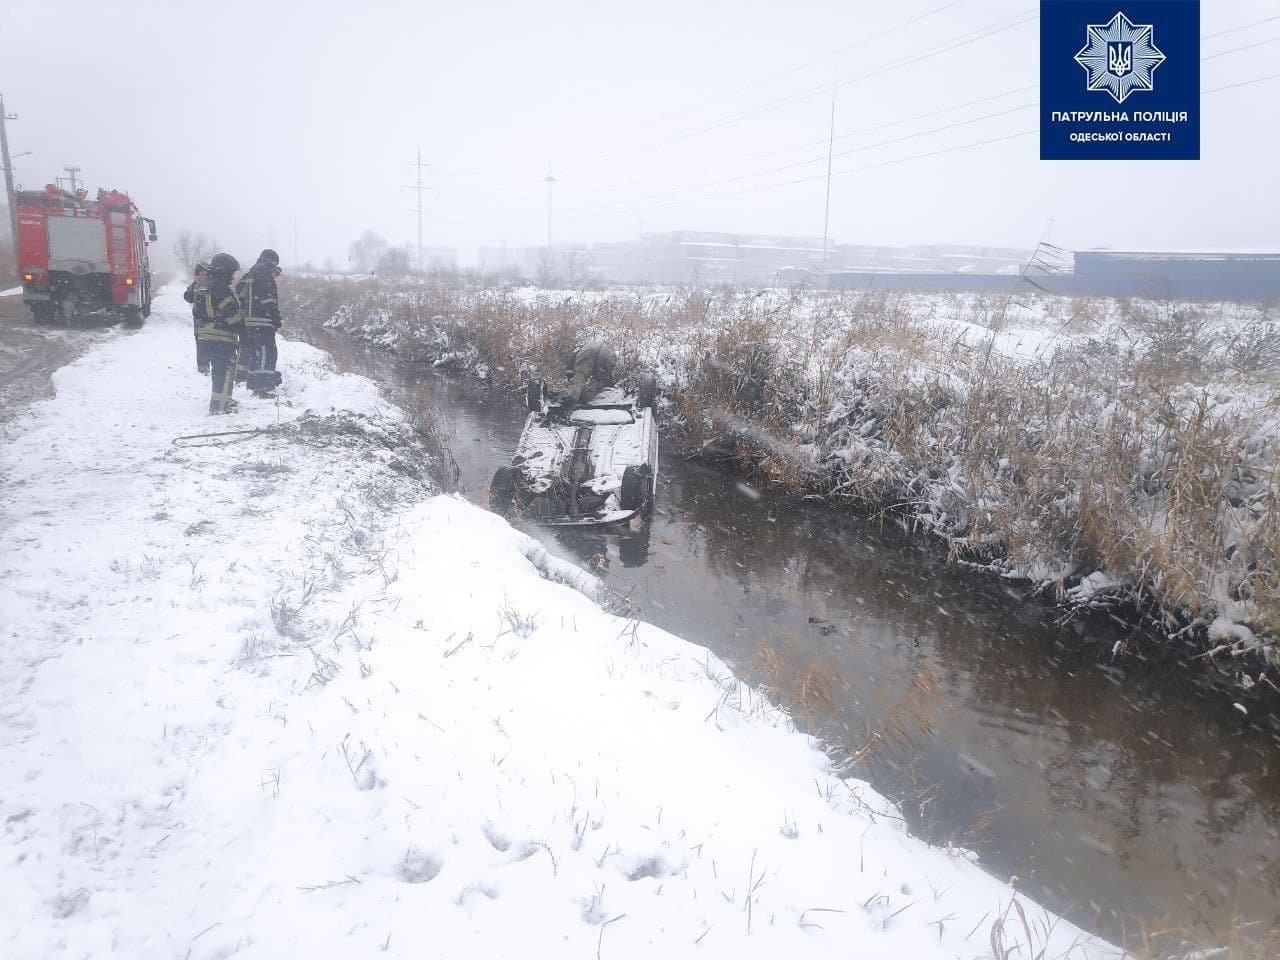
(269, 256)
(224, 263)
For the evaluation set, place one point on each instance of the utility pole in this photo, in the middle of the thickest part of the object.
(826, 216)
(8, 175)
(418, 209)
(548, 180)
(71, 171)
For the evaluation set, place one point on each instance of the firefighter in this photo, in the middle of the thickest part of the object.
(196, 289)
(219, 323)
(259, 303)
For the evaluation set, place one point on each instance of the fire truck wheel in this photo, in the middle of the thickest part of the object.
(133, 316)
(42, 312)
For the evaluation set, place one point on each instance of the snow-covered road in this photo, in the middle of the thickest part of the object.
(272, 698)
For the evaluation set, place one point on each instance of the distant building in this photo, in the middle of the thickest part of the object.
(688, 256)
(1195, 275)
(1100, 273)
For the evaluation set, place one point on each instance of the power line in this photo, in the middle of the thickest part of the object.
(955, 43)
(999, 26)
(842, 153)
(721, 165)
(1247, 46)
(870, 166)
(767, 154)
(1243, 26)
(677, 200)
(928, 52)
(934, 50)
(1243, 83)
(730, 93)
(800, 180)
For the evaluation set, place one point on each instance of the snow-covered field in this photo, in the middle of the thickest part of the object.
(268, 695)
(1115, 453)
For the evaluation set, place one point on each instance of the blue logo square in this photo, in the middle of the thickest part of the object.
(1119, 79)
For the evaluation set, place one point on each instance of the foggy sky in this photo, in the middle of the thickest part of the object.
(241, 120)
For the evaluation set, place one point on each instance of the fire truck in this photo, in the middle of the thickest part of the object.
(79, 256)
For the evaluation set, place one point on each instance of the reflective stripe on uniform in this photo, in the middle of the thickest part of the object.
(213, 332)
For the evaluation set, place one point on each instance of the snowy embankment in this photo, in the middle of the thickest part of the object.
(274, 698)
(1119, 454)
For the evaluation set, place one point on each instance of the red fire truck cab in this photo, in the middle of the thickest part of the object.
(78, 256)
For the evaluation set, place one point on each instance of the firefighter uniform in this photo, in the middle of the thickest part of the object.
(260, 307)
(196, 291)
(218, 328)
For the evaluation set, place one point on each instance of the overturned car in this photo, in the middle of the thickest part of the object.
(592, 464)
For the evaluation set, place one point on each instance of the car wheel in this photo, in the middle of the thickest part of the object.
(637, 489)
(533, 395)
(502, 491)
(647, 392)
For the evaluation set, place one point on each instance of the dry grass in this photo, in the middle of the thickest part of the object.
(811, 691)
(1240, 941)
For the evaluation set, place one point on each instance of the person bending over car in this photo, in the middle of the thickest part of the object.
(591, 368)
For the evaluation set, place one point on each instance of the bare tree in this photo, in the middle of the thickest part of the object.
(366, 252)
(191, 248)
(395, 262)
(577, 269)
(548, 275)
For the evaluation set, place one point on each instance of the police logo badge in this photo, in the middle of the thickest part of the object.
(1120, 57)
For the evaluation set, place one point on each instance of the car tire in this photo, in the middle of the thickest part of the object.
(502, 491)
(533, 395)
(647, 392)
(637, 489)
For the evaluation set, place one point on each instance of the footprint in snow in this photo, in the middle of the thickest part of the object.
(418, 867)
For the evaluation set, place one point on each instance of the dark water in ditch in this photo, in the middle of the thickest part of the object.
(1119, 794)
